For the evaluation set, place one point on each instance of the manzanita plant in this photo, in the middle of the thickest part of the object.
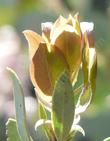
(56, 56)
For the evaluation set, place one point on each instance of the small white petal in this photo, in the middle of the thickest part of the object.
(86, 27)
(46, 26)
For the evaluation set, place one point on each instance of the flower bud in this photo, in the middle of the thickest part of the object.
(58, 49)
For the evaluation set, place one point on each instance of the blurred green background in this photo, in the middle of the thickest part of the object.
(18, 15)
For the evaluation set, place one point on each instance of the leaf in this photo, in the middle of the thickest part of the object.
(89, 66)
(84, 100)
(42, 112)
(62, 105)
(47, 124)
(19, 106)
(107, 139)
(11, 130)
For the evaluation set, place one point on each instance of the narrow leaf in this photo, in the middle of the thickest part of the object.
(42, 112)
(63, 107)
(11, 130)
(84, 100)
(45, 123)
(19, 106)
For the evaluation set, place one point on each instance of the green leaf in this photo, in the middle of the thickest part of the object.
(11, 130)
(84, 99)
(20, 107)
(42, 112)
(89, 66)
(107, 139)
(47, 125)
(63, 107)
